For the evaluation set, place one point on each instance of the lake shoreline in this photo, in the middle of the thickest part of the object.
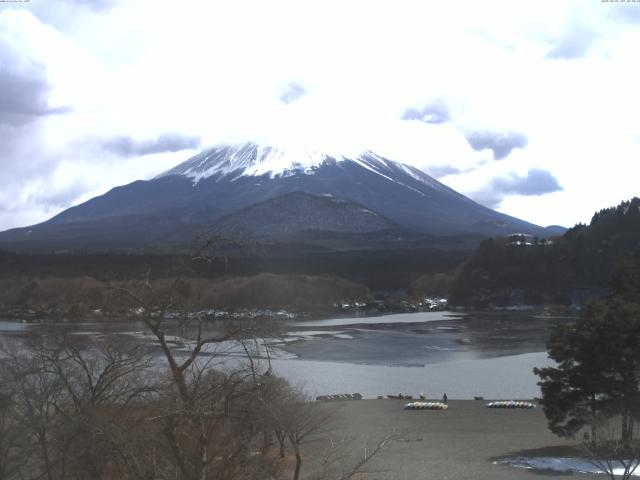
(431, 352)
(57, 315)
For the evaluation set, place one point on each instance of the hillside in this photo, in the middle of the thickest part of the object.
(297, 212)
(582, 264)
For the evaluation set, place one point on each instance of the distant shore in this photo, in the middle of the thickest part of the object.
(56, 314)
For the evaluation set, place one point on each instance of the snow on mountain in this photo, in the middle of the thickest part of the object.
(252, 160)
(219, 185)
(249, 160)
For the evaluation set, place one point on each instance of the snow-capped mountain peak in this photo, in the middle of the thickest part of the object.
(252, 188)
(252, 160)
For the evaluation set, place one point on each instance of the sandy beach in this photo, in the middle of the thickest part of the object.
(463, 442)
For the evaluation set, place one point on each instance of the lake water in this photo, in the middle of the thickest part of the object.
(465, 355)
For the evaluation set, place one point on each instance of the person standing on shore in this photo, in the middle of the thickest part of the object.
(444, 398)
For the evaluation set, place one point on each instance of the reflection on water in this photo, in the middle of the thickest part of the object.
(465, 355)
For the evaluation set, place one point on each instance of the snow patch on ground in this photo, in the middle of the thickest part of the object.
(560, 465)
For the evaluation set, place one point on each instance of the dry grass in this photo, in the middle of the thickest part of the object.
(462, 442)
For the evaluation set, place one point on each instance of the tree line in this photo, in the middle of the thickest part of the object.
(55, 298)
(594, 388)
(566, 270)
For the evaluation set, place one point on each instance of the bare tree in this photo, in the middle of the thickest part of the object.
(297, 420)
(11, 448)
(292, 417)
(207, 418)
(614, 453)
(79, 408)
(304, 419)
(70, 403)
(348, 456)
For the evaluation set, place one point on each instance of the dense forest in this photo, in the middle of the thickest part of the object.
(587, 262)
(377, 269)
(74, 284)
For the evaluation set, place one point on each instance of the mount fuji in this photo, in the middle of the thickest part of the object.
(276, 195)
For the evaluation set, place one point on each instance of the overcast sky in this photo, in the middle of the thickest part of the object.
(530, 108)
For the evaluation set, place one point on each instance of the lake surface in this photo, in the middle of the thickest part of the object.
(465, 355)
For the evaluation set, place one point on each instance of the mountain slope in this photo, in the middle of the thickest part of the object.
(224, 180)
(298, 212)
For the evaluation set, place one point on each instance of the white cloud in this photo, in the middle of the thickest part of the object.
(217, 70)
